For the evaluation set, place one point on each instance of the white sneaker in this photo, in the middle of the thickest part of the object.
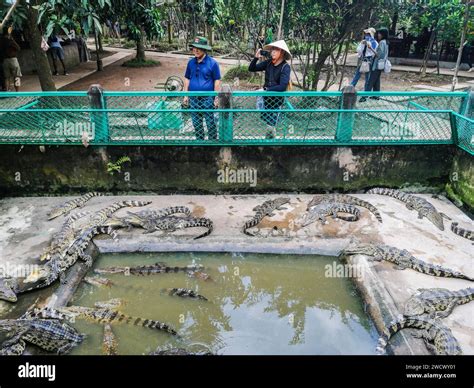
(471, 70)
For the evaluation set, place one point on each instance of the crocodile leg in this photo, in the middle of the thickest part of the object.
(449, 309)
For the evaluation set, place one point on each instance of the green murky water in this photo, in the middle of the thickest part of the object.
(258, 304)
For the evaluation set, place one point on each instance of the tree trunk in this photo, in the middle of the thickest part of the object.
(428, 51)
(170, 33)
(141, 47)
(393, 27)
(41, 59)
(461, 44)
(99, 41)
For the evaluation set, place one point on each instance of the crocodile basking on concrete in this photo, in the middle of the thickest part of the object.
(141, 219)
(321, 211)
(103, 215)
(412, 202)
(438, 338)
(265, 209)
(437, 302)
(402, 259)
(344, 198)
(63, 238)
(183, 293)
(466, 233)
(58, 265)
(167, 223)
(51, 335)
(72, 204)
(156, 268)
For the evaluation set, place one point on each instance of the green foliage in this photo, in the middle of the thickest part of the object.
(242, 72)
(117, 166)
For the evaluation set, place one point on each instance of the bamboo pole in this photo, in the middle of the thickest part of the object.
(9, 13)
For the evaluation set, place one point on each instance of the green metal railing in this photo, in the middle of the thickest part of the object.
(242, 118)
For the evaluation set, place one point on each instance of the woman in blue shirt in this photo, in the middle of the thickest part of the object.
(381, 56)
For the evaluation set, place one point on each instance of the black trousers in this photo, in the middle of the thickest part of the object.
(374, 81)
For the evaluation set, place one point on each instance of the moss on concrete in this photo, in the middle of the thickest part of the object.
(462, 178)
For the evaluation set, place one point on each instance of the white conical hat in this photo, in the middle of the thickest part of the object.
(281, 44)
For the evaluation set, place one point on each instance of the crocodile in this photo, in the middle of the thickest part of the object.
(437, 302)
(98, 281)
(138, 219)
(109, 343)
(13, 348)
(412, 202)
(111, 304)
(51, 335)
(199, 275)
(101, 217)
(402, 259)
(178, 352)
(71, 205)
(466, 233)
(58, 265)
(265, 209)
(183, 293)
(438, 338)
(9, 289)
(107, 315)
(324, 209)
(147, 269)
(344, 198)
(63, 238)
(169, 223)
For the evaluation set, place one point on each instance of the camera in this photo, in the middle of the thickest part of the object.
(265, 53)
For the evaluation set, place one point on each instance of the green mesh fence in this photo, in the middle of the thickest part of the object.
(237, 118)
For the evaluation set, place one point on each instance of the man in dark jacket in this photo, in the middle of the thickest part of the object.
(10, 66)
(277, 78)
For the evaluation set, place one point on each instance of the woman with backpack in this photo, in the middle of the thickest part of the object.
(277, 79)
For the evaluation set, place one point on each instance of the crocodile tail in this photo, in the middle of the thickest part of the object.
(90, 195)
(369, 206)
(395, 327)
(350, 210)
(129, 203)
(251, 223)
(469, 234)
(206, 223)
(150, 323)
(174, 210)
(404, 197)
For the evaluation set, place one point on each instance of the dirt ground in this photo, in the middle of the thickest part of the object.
(118, 77)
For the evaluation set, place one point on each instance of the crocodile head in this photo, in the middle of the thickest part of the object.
(280, 201)
(111, 304)
(56, 212)
(317, 199)
(413, 307)
(39, 273)
(7, 290)
(436, 218)
(355, 248)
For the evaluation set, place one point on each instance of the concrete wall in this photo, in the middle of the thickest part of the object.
(462, 178)
(28, 64)
(27, 171)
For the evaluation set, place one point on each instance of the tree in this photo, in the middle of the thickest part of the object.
(142, 18)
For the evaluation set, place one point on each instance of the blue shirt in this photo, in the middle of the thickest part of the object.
(202, 75)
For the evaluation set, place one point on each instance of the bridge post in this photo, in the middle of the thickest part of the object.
(99, 120)
(225, 118)
(345, 121)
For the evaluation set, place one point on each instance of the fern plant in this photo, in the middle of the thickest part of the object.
(117, 166)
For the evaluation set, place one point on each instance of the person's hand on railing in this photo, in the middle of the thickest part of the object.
(186, 101)
(216, 102)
